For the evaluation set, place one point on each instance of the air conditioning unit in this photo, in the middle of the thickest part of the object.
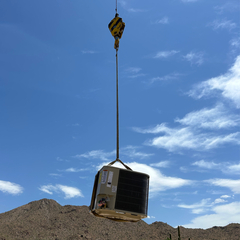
(120, 194)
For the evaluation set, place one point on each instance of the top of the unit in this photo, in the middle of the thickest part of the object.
(121, 168)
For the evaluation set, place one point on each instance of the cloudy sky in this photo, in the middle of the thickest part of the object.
(179, 93)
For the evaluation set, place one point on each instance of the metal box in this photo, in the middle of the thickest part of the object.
(120, 194)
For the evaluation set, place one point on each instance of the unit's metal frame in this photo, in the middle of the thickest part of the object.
(106, 186)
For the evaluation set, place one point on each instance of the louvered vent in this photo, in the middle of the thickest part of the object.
(132, 192)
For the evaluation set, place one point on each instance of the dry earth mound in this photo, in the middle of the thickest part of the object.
(46, 219)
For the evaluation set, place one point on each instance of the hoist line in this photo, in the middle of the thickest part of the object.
(117, 104)
(116, 27)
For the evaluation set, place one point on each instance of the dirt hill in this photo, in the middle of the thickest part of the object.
(46, 219)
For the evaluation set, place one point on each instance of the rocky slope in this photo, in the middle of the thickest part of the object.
(46, 219)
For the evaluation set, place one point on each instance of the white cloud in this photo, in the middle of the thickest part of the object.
(129, 151)
(76, 169)
(227, 84)
(168, 77)
(203, 206)
(158, 181)
(190, 134)
(228, 6)
(174, 139)
(150, 217)
(124, 4)
(198, 207)
(234, 169)
(135, 10)
(70, 192)
(194, 58)
(137, 75)
(203, 203)
(216, 141)
(71, 170)
(62, 160)
(213, 118)
(163, 20)
(133, 70)
(225, 167)
(208, 165)
(162, 164)
(198, 211)
(184, 169)
(158, 129)
(234, 185)
(165, 54)
(88, 52)
(97, 154)
(222, 216)
(223, 24)
(225, 196)
(219, 200)
(82, 177)
(48, 189)
(187, 138)
(11, 188)
(235, 42)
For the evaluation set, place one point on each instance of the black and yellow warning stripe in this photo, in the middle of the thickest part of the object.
(116, 27)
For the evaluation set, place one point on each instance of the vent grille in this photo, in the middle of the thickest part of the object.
(132, 192)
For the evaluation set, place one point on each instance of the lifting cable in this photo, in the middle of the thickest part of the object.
(117, 105)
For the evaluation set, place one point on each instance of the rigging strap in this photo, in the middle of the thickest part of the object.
(118, 160)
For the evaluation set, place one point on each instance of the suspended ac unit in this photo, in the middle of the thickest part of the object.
(120, 194)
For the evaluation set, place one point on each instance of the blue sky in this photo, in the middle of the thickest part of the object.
(179, 93)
